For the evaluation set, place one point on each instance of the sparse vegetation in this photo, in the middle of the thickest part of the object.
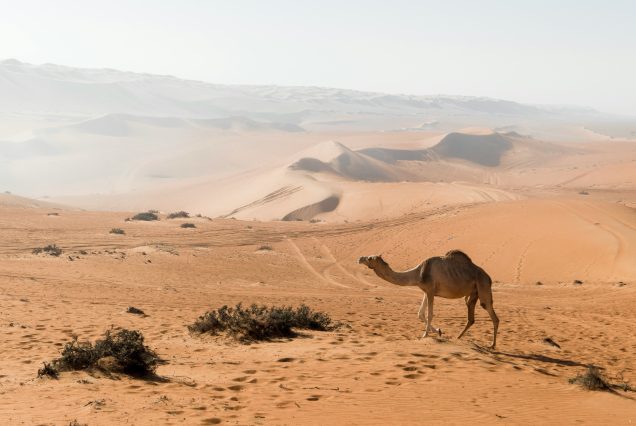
(51, 250)
(188, 225)
(117, 231)
(180, 214)
(265, 247)
(53, 214)
(592, 379)
(577, 282)
(584, 193)
(146, 216)
(123, 351)
(48, 370)
(259, 322)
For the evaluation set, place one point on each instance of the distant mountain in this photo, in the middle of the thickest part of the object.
(61, 90)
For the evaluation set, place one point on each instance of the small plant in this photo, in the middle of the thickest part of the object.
(117, 231)
(146, 216)
(51, 250)
(259, 322)
(188, 225)
(52, 214)
(592, 379)
(265, 248)
(180, 214)
(48, 370)
(136, 311)
(123, 351)
(76, 423)
(577, 282)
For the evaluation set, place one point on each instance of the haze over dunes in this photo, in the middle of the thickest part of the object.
(269, 195)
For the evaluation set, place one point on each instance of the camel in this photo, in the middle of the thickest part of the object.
(450, 276)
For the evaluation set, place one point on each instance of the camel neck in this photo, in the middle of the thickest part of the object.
(410, 277)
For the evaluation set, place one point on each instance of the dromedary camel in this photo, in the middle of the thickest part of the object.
(450, 276)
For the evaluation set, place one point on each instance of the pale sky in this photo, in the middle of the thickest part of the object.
(543, 52)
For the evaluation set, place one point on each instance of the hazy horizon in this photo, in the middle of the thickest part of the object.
(539, 54)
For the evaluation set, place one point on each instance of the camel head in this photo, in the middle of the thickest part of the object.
(372, 261)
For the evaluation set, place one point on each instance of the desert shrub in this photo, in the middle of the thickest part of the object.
(136, 311)
(180, 214)
(592, 379)
(125, 350)
(76, 423)
(48, 370)
(117, 231)
(260, 322)
(51, 250)
(188, 225)
(306, 318)
(265, 247)
(146, 216)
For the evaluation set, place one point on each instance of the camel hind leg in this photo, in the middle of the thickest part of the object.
(471, 302)
(484, 291)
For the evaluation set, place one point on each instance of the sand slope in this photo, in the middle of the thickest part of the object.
(376, 372)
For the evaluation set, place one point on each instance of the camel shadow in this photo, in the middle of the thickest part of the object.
(542, 358)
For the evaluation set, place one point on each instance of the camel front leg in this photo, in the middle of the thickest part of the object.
(422, 314)
(429, 318)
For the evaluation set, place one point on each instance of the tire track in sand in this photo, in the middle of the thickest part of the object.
(325, 250)
(621, 255)
(303, 260)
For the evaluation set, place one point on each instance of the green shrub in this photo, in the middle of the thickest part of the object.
(146, 216)
(260, 322)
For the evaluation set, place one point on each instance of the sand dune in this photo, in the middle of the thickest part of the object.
(16, 201)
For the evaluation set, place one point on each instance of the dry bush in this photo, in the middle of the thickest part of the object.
(123, 351)
(146, 216)
(117, 231)
(48, 370)
(188, 225)
(180, 214)
(592, 379)
(261, 322)
(51, 250)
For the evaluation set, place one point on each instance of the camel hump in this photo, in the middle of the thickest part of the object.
(457, 254)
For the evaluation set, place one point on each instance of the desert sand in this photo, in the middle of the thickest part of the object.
(376, 370)
(543, 199)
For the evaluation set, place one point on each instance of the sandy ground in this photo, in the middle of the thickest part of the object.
(377, 369)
